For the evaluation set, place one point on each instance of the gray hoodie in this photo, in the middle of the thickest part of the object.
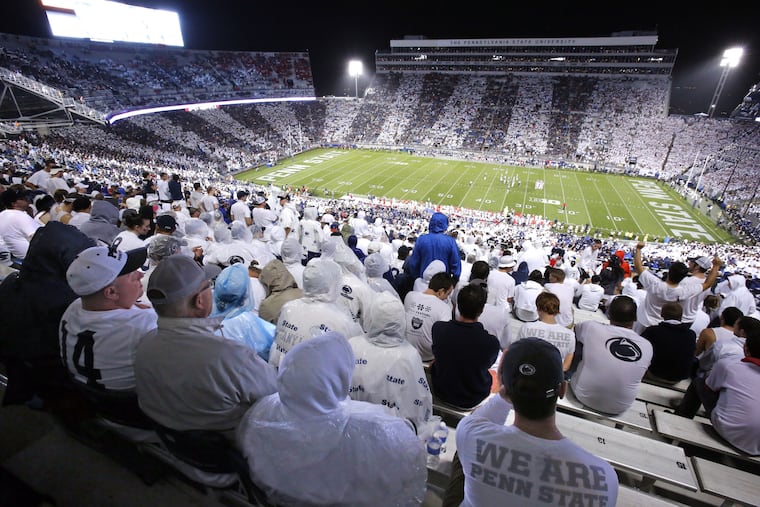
(102, 224)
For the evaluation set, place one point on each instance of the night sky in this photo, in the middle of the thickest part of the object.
(336, 31)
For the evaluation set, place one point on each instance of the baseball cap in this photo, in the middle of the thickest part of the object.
(327, 218)
(70, 197)
(259, 199)
(532, 367)
(12, 195)
(175, 278)
(335, 225)
(51, 160)
(97, 267)
(166, 223)
(162, 246)
(284, 196)
(506, 261)
(703, 262)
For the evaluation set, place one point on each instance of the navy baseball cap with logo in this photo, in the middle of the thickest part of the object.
(166, 223)
(532, 368)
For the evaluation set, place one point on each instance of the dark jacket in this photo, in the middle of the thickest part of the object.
(32, 304)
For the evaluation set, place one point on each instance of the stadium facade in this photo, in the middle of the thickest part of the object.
(622, 54)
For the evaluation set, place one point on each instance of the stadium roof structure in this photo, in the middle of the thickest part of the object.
(26, 104)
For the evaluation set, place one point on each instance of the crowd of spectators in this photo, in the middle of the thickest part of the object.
(115, 77)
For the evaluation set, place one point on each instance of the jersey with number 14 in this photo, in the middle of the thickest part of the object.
(98, 348)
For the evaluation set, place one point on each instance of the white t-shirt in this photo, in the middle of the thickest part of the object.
(264, 217)
(525, 300)
(129, 241)
(240, 211)
(559, 336)
(738, 410)
(17, 228)
(502, 287)
(78, 218)
(614, 361)
(565, 293)
(422, 311)
(99, 347)
(162, 187)
(39, 178)
(659, 292)
(591, 296)
(503, 465)
(209, 203)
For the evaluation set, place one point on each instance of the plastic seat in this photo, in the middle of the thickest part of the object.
(118, 407)
(212, 460)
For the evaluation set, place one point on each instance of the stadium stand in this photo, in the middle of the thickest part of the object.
(608, 121)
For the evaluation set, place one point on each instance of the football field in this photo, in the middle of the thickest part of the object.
(606, 202)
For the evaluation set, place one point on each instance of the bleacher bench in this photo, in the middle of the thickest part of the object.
(635, 417)
(660, 395)
(627, 497)
(653, 459)
(727, 482)
(630, 497)
(697, 433)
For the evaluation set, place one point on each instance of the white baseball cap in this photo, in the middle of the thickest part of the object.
(98, 266)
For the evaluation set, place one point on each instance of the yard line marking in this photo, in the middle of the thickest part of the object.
(585, 205)
(628, 210)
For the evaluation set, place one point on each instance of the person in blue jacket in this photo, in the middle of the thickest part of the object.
(436, 244)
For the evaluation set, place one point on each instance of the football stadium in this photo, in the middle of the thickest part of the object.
(502, 270)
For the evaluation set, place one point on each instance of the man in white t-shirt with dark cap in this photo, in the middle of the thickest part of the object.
(530, 381)
(100, 330)
(188, 377)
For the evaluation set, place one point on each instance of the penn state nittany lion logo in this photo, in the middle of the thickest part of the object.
(416, 322)
(623, 349)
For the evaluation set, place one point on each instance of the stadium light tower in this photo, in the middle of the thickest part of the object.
(355, 70)
(731, 58)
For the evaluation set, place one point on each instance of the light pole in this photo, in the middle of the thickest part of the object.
(355, 70)
(730, 60)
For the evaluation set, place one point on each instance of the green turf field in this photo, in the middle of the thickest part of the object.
(634, 206)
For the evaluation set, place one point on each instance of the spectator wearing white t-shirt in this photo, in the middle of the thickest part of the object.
(547, 328)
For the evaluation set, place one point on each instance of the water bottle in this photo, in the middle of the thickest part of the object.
(441, 432)
(433, 452)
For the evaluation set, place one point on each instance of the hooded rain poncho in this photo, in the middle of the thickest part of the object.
(308, 444)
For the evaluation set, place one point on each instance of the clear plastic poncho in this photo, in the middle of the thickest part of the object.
(382, 354)
(308, 444)
(233, 300)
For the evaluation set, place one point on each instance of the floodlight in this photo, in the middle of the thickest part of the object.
(731, 57)
(355, 70)
(729, 61)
